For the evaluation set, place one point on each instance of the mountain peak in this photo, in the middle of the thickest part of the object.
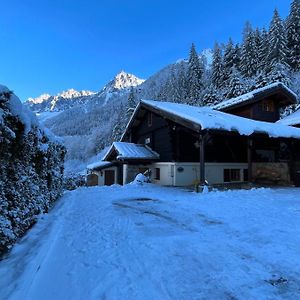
(71, 93)
(124, 80)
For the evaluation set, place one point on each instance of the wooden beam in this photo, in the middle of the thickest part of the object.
(249, 158)
(202, 158)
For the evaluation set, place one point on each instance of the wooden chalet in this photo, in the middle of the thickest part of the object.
(182, 145)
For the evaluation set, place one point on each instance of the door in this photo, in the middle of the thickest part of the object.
(109, 177)
(92, 180)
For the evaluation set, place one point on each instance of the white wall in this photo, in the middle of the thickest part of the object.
(166, 173)
(170, 174)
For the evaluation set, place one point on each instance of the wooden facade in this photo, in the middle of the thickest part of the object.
(183, 148)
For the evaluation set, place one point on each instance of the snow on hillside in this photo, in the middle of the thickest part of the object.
(148, 242)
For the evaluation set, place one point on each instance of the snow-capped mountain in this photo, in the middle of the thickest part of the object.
(119, 85)
(122, 81)
(71, 93)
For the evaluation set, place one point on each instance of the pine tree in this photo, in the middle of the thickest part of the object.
(249, 54)
(263, 50)
(131, 103)
(278, 51)
(217, 67)
(229, 56)
(119, 124)
(212, 96)
(194, 76)
(237, 57)
(293, 35)
(279, 73)
(261, 80)
(236, 85)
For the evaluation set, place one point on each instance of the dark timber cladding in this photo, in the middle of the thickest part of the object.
(264, 106)
(177, 139)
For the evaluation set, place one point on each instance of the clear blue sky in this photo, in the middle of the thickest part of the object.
(52, 45)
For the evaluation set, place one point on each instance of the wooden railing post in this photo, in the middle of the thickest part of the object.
(249, 158)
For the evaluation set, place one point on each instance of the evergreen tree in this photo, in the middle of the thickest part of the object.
(237, 57)
(217, 67)
(236, 85)
(181, 92)
(249, 53)
(279, 73)
(212, 96)
(293, 35)
(229, 56)
(194, 76)
(131, 103)
(278, 51)
(263, 50)
(261, 80)
(119, 124)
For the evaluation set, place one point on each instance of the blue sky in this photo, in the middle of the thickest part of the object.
(50, 46)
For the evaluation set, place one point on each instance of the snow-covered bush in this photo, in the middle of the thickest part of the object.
(31, 172)
(141, 179)
(74, 181)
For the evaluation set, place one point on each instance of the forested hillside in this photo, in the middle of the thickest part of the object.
(31, 170)
(264, 56)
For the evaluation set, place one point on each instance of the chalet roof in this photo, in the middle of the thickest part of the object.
(202, 118)
(130, 151)
(291, 120)
(99, 165)
(258, 94)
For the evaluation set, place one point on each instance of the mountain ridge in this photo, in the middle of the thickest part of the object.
(46, 102)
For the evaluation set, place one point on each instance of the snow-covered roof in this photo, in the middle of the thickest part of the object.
(292, 119)
(251, 96)
(207, 118)
(99, 165)
(132, 151)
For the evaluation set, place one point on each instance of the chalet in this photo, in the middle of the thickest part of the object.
(235, 141)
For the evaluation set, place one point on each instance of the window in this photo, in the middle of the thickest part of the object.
(231, 175)
(149, 119)
(267, 106)
(157, 173)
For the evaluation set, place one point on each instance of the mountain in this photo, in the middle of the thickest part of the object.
(121, 83)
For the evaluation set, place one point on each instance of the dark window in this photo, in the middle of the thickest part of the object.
(232, 175)
(157, 173)
(149, 119)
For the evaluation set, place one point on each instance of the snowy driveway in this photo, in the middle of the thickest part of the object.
(148, 242)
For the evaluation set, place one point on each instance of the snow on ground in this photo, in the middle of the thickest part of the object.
(149, 242)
